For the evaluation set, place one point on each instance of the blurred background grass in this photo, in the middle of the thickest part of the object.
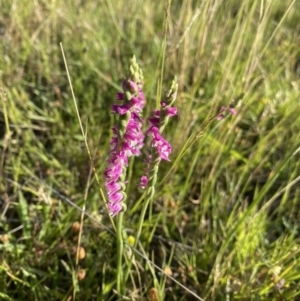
(225, 218)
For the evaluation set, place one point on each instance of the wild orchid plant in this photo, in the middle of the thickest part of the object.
(127, 141)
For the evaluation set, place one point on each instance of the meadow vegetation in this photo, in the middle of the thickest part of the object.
(224, 221)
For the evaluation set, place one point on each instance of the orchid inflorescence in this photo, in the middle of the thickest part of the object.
(157, 124)
(128, 137)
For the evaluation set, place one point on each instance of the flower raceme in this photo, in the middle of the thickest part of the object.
(157, 124)
(158, 142)
(127, 139)
(162, 146)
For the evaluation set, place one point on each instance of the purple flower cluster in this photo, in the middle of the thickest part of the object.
(127, 141)
(162, 146)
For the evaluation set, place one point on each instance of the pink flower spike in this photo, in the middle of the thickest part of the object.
(163, 147)
(127, 139)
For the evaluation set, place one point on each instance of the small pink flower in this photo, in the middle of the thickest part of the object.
(144, 179)
(129, 85)
(120, 96)
(121, 109)
(171, 111)
(114, 208)
(144, 182)
(113, 187)
(233, 111)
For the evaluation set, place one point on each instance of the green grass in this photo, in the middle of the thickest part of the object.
(225, 217)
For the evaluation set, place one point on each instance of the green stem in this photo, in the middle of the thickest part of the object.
(120, 245)
(150, 194)
(170, 98)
